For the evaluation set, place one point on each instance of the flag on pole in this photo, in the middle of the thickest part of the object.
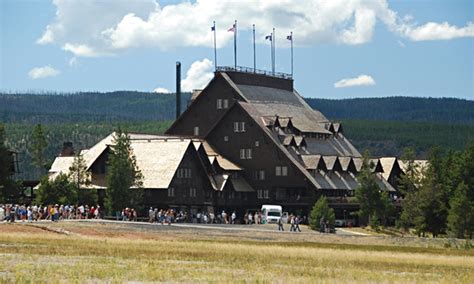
(289, 37)
(213, 28)
(269, 37)
(232, 29)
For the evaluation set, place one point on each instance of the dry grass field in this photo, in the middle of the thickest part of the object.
(115, 252)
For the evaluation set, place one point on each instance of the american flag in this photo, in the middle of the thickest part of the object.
(269, 37)
(289, 37)
(232, 29)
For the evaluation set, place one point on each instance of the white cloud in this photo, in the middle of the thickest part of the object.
(161, 90)
(437, 31)
(361, 80)
(104, 27)
(43, 72)
(198, 75)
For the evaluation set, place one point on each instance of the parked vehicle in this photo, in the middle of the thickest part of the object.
(272, 213)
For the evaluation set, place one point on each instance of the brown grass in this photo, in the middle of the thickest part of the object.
(117, 253)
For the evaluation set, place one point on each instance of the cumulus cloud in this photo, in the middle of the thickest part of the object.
(361, 80)
(104, 27)
(161, 90)
(43, 72)
(198, 75)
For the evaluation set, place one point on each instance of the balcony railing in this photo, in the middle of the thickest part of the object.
(254, 71)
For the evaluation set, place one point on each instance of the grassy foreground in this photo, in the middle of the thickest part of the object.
(108, 252)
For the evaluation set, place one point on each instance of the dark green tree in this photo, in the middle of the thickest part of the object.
(60, 190)
(10, 190)
(37, 149)
(81, 178)
(368, 193)
(320, 210)
(460, 212)
(124, 179)
(408, 183)
(431, 205)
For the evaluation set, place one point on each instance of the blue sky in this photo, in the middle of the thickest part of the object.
(342, 49)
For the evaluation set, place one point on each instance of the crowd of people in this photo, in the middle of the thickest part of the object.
(31, 213)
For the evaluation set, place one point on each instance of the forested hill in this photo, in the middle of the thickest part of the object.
(442, 110)
(140, 106)
(88, 106)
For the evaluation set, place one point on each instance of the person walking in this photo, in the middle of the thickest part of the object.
(250, 217)
(280, 225)
(292, 222)
(297, 223)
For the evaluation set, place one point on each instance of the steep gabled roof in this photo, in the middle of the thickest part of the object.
(388, 163)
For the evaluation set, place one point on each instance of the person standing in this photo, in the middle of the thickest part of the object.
(280, 225)
(233, 217)
(322, 225)
(250, 217)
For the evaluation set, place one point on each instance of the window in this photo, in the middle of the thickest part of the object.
(184, 173)
(249, 154)
(196, 130)
(260, 175)
(281, 194)
(226, 138)
(245, 154)
(278, 171)
(263, 194)
(170, 192)
(225, 103)
(257, 143)
(284, 171)
(219, 103)
(239, 126)
(242, 154)
(192, 192)
(231, 195)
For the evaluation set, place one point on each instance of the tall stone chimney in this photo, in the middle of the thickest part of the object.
(178, 89)
(68, 150)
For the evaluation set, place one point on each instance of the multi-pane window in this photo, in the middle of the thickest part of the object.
(260, 175)
(257, 143)
(192, 192)
(226, 138)
(245, 154)
(239, 126)
(263, 194)
(184, 173)
(196, 130)
(219, 103)
(170, 192)
(225, 103)
(281, 171)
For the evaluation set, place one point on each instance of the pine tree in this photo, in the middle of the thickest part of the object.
(407, 186)
(37, 149)
(60, 190)
(321, 210)
(123, 176)
(460, 212)
(81, 178)
(368, 193)
(9, 189)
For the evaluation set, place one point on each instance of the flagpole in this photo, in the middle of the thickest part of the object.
(291, 37)
(235, 44)
(274, 57)
(215, 48)
(254, 53)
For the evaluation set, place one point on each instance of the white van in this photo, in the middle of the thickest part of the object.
(271, 213)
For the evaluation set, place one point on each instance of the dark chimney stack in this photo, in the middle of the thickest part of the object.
(178, 89)
(68, 150)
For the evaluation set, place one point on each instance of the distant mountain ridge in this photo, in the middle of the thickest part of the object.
(142, 106)
(441, 110)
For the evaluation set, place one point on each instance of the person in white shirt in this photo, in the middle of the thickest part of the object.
(233, 217)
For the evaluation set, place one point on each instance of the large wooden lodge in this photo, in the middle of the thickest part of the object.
(245, 140)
